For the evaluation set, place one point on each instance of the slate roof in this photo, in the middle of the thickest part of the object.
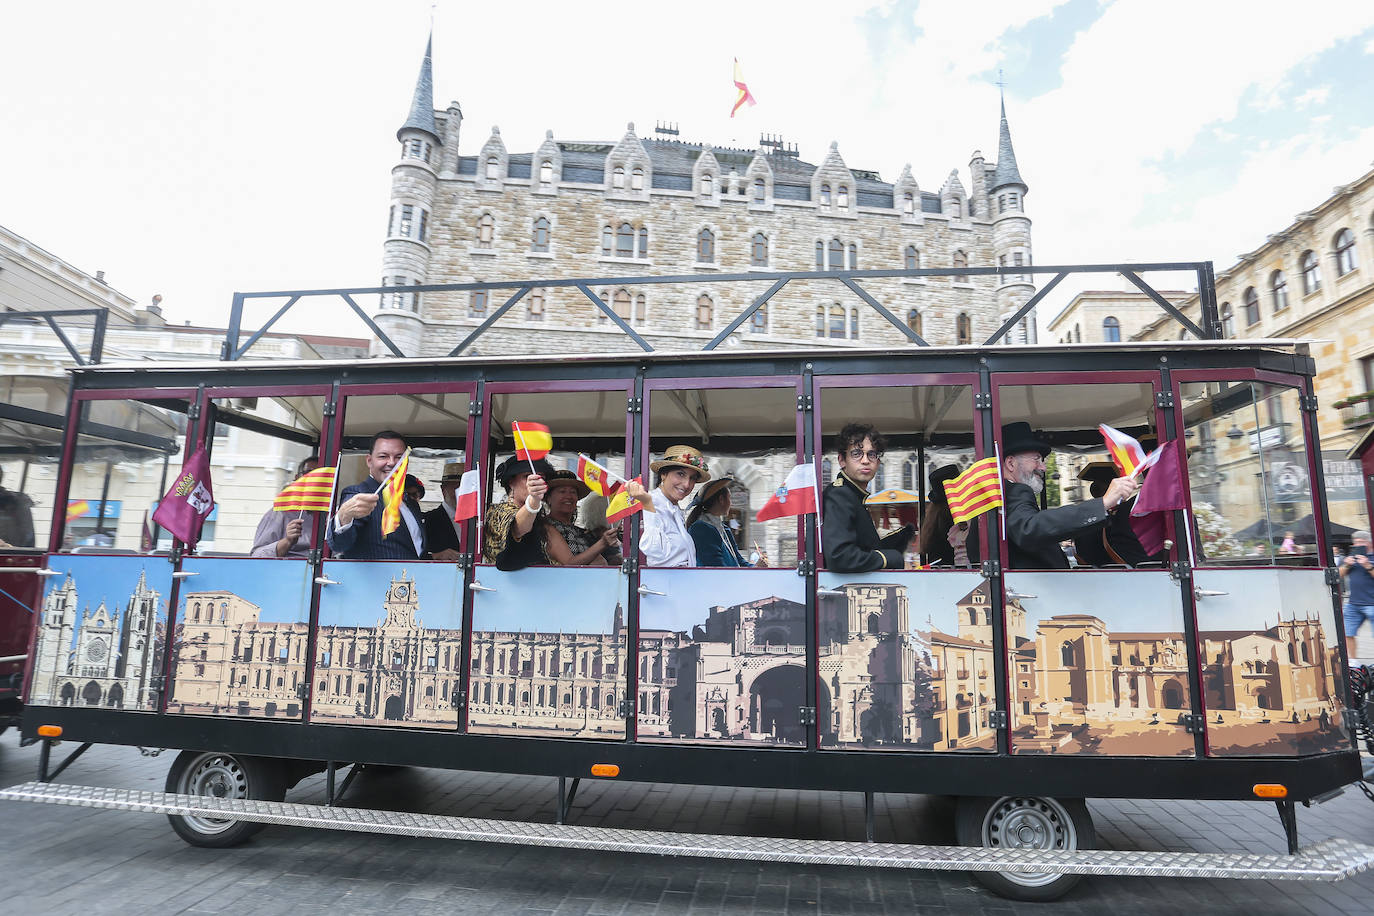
(1007, 172)
(421, 115)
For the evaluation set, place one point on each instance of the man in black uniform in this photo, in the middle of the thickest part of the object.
(1114, 543)
(850, 539)
(1033, 535)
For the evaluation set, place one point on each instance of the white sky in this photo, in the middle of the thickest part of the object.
(192, 149)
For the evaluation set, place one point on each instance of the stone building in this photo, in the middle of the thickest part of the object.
(660, 206)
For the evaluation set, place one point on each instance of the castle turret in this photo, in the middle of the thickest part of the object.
(1011, 236)
(405, 257)
(52, 651)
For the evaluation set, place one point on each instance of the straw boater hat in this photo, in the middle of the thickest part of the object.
(681, 456)
(567, 479)
(709, 491)
(453, 470)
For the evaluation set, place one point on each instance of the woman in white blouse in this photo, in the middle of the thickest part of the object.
(664, 540)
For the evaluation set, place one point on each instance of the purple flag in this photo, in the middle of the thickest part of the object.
(185, 507)
(1161, 492)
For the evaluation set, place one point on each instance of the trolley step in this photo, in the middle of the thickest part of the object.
(1328, 860)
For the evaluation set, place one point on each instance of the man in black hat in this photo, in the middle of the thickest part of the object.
(1033, 535)
(441, 531)
(1114, 543)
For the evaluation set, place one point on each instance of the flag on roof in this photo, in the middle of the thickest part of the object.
(977, 490)
(744, 95)
(796, 496)
(393, 494)
(532, 440)
(312, 492)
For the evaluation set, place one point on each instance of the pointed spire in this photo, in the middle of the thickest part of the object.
(1007, 172)
(422, 104)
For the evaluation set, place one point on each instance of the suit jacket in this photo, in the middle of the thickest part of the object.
(439, 531)
(850, 539)
(1033, 535)
(363, 539)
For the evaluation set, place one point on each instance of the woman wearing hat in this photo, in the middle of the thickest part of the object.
(664, 540)
(516, 533)
(581, 547)
(714, 541)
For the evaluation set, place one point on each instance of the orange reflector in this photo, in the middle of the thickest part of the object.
(50, 731)
(605, 769)
(1270, 790)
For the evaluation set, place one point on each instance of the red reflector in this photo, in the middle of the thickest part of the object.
(605, 769)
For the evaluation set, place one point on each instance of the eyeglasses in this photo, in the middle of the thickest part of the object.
(858, 454)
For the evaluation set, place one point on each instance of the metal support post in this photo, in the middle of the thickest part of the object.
(329, 782)
(868, 817)
(1288, 814)
(44, 756)
(348, 781)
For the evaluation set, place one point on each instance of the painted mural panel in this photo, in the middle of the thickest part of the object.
(722, 656)
(906, 661)
(1271, 668)
(241, 638)
(1099, 664)
(388, 648)
(102, 633)
(548, 653)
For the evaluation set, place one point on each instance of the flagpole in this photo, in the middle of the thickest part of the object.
(1001, 491)
(388, 477)
(612, 476)
(515, 425)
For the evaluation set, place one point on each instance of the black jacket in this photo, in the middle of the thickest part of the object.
(1118, 535)
(849, 538)
(1033, 535)
(439, 533)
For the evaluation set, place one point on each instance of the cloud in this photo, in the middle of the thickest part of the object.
(1317, 95)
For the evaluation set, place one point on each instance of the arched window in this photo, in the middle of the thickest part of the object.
(640, 307)
(836, 254)
(706, 246)
(1228, 320)
(643, 242)
(637, 179)
(1345, 252)
(534, 305)
(963, 329)
(545, 173)
(913, 258)
(1311, 273)
(540, 240)
(486, 230)
(853, 322)
(618, 177)
(760, 190)
(853, 256)
(493, 167)
(1251, 303)
(1278, 287)
(960, 260)
(913, 320)
(707, 186)
(621, 303)
(1077, 334)
(909, 204)
(827, 470)
(911, 469)
(820, 321)
(625, 241)
(1066, 655)
(477, 303)
(842, 197)
(758, 322)
(706, 312)
(820, 255)
(758, 250)
(196, 617)
(1111, 329)
(607, 241)
(825, 197)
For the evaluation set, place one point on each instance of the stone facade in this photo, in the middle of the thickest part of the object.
(659, 206)
(1089, 316)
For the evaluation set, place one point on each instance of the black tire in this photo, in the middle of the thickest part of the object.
(222, 776)
(1016, 822)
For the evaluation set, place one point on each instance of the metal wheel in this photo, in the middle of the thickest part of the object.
(220, 776)
(1025, 822)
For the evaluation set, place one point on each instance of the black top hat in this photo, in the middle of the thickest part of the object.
(1103, 471)
(412, 480)
(513, 467)
(938, 478)
(1017, 438)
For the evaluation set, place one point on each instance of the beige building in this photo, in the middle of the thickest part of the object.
(658, 205)
(1108, 316)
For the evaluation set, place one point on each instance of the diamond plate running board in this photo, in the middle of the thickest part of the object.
(1329, 860)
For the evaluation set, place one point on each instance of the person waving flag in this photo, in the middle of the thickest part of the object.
(393, 491)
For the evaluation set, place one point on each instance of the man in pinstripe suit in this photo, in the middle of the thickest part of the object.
(355, 532)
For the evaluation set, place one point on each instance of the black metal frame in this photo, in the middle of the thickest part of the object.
(1210, 328)
(99, 317)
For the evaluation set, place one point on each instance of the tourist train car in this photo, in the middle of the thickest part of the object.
(1214, 671)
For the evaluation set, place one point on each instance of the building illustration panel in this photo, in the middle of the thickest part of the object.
(241, 638)
(1271, 667)
(1099, 664)
(548, 653)
(101, 635)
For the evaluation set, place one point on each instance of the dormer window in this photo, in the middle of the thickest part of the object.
(618, 178)
(760, 190)
(546, 173)
(842, 197)
(825, 197)
(415, 148)
(909, 204)
(707, 186)
(637, 180)
(493, 167)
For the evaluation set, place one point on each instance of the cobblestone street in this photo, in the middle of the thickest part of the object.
(67, 860)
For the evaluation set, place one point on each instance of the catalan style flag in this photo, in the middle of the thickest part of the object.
(796, 496)
(532, 440)
(468, 489)
(745, 96)
(1127, 454)
(312, 492)
(621, 506)
(977, 490)
(393, 494)
(598, 479)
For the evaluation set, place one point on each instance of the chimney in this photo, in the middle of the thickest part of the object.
(152, 315)
(100, 276)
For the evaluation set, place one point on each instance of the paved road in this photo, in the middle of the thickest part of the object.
(61, 860)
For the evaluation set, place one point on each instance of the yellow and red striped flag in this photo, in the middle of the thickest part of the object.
(597, 478)
(744, 94)
(532, 440)
(977, 490)
(77, 508)
(393, 494)
(310, 492)
(621, 506)
(1127, 454)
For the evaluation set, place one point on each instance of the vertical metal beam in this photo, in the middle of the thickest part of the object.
(808, 557)
(257, 335)
(1207, 300)
(97, 352)
(868, 817)
(231, 333)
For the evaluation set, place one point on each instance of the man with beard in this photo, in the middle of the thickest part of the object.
(1033, 535)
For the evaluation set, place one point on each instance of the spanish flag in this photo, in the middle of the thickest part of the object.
(1127, 454)
(597, 478)
(744, 94)
(393, 494)
(532, 440)
(621, 506)
(312, 492)
(977, 490)
(76, 508)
